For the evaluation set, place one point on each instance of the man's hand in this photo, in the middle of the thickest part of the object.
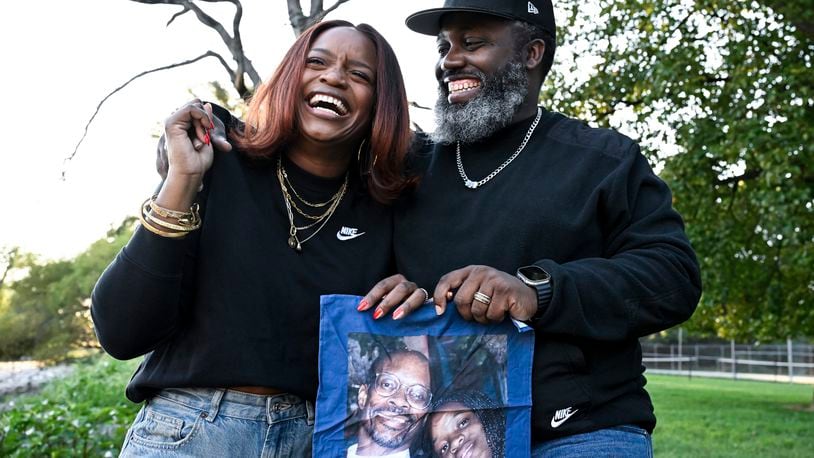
(394, 291)
(486, 294)
(217, 136)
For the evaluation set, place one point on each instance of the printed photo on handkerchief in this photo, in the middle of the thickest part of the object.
(420, 386)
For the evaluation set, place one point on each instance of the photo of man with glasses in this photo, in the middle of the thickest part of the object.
(380, 384)
(392, 404)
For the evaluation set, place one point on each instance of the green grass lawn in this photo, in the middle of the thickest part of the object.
(724, 418)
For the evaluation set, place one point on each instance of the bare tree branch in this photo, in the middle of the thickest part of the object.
(244, 64)
(146, 72)
(324, 13)
(176, 15)
(233, 42)
(316, 7)
(300, 22)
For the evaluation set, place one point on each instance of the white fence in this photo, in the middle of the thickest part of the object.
(792, 362)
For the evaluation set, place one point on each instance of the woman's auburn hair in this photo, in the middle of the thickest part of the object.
(275, 124)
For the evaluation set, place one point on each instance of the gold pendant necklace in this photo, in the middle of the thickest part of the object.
(293, 240)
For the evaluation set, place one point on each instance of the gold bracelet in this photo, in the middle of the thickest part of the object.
(183, 226)
(166, 225)
(156, 231)
(190, 220)
(167, 213)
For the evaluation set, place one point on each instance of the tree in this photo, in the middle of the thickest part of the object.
(8, 258)
(243, 66)
(727, 86)
(46, 313)
(300, 22)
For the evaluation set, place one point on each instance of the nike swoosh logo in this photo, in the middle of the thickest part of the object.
(343, 237)
(556, 423)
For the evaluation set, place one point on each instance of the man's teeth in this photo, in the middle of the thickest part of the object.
(462, 85)
(393, 417)
(328, 103)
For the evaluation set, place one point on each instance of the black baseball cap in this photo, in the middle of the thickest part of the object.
(537, 12)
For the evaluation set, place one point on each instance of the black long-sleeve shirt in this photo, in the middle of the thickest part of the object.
(583, 204)
(232, 304)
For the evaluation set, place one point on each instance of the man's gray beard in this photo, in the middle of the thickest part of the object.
(491, 110)
(383, 439)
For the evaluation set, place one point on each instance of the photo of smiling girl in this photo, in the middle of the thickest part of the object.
(466, 424)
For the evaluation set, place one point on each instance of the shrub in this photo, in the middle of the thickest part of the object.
(84, 414)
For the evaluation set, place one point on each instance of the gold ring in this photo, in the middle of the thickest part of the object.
(485, 298)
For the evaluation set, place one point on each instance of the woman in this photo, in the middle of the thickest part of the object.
(466, 423)
(220, 285)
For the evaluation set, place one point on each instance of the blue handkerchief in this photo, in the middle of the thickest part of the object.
(421, 386)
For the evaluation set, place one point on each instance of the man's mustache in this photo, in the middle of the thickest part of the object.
(460, 74)
(399, 411)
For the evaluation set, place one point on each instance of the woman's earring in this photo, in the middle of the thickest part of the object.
(365, 167)
(359, 151)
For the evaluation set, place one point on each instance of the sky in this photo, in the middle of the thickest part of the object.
(61, 58)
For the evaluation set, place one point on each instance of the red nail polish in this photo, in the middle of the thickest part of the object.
(378, 314)
(206, 138)
(398, 314)
(362, 305)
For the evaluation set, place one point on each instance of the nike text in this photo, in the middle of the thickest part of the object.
(561, 416)
(347, 233)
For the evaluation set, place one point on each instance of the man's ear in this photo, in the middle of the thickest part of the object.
(361, 398)
(535, 50)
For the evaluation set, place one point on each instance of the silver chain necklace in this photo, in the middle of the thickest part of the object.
(476, 184)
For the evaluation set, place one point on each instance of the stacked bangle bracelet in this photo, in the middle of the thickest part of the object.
(184, 222)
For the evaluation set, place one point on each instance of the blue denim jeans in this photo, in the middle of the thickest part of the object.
(195, 422)
(621, 441)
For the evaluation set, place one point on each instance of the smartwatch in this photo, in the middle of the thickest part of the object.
(533, 275)
(537, 278)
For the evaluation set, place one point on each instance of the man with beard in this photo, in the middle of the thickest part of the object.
(527, 213)
(392, 405)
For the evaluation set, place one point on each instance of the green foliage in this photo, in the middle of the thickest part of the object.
(721, 93)
(85, 414)
(46, 313)
(223, 98)
(726, 418)
(8, 258)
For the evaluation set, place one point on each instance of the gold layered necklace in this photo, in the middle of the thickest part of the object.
(317, 221)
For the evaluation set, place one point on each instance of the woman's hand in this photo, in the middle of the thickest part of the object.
(394, 292)
(486, 294)
(189, 154)
(217, 136)
(189, 147)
